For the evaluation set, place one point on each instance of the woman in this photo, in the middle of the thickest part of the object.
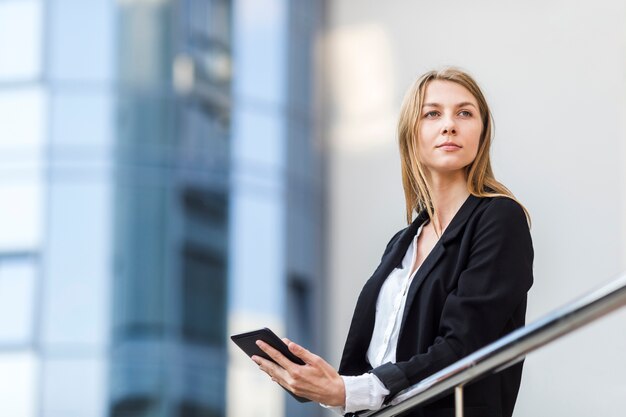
(451, 282)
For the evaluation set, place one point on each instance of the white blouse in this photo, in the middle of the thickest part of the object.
(366, 392)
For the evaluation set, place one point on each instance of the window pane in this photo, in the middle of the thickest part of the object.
(204, 289)
(77, 263)
(17, 284)
(22, 121)
(135, 406)
(74, 386)
(20, 39)
(82, 123)
(204, 267)
(18, 385)
(87, 57)
(20, 216)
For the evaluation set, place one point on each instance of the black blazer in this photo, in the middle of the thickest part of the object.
(469, 291)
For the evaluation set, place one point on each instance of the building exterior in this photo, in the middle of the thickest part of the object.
(276, 192)
(160, 185)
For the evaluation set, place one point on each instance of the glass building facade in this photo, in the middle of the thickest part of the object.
(160, 188)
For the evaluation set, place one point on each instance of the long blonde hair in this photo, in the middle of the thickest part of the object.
(480, 179)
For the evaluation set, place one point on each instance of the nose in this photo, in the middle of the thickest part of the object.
(448, 129)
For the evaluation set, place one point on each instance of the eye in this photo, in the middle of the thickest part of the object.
(431, 114)
(465, 113)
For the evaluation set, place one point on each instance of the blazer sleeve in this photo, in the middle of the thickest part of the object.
(489, 290)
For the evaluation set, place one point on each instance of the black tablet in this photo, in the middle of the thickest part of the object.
(247, 343)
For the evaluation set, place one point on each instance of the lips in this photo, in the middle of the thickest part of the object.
(448, 146)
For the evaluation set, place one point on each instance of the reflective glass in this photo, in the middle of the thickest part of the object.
(20, 216)
(81, 121)
(77, 264)
(20, 39)
(74, 387)
(18, 384)
(82, 39)
(22, 119)
(204, 267)
(17, 288)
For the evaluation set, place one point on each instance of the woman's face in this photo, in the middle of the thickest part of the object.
(450, 127)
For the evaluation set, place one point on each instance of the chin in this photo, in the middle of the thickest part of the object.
(448, 169)
(450, 166)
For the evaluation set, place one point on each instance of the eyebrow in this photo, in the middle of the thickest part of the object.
(462, 104)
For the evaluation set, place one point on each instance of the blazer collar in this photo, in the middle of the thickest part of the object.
(400, 248)
(452, 231)
(459, 219)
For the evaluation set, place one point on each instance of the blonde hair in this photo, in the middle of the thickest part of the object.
(480, 179)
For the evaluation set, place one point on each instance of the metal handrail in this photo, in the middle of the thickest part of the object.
(511, 348)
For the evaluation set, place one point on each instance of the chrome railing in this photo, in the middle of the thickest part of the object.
(510, 349)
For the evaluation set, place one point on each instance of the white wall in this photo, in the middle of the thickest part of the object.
(554, 74)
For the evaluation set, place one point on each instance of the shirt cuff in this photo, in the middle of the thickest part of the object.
(339, 410)
(364, 392)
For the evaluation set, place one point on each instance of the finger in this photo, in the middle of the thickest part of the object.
(278, 357)
(308, 357)
(286, 341)
(270, 368)
(264, 364)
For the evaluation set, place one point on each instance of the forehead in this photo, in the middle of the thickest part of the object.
(447, 92)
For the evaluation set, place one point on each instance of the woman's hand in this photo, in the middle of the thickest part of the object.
(315, 380)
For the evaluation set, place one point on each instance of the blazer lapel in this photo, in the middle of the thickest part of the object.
(460, 218)
(364, 317)
(456, 225)
(431, 260)
(397, 252)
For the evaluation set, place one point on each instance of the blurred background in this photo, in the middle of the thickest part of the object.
(176, 171)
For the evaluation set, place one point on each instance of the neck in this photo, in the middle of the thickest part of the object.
(449, 192)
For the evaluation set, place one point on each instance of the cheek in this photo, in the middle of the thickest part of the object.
(475, 146)
(475, 142)
(427, 136)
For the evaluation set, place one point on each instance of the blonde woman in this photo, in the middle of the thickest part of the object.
(451, 282)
